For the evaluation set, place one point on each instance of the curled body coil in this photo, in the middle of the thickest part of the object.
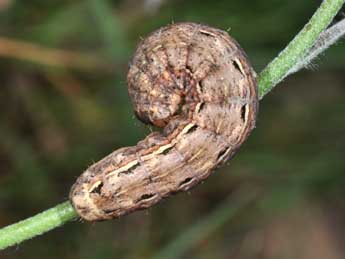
(196, 82)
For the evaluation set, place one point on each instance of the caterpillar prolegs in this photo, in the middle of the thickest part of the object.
(196, 82)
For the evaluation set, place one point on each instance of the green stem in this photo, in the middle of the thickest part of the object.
(269, 77)
(298, 47)
(37, 225)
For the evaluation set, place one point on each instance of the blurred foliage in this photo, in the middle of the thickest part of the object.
(57, 119)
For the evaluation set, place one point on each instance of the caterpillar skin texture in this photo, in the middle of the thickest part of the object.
(196, 82)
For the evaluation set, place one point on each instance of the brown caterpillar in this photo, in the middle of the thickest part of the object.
(196, 82)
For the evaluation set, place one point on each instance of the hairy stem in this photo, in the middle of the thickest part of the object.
(298, 47)
(288, 60)
(325, 40)
(37, 225)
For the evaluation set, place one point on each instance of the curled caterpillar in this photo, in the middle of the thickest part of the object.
(196, 82)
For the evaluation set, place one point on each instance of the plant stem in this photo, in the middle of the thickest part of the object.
(298, 47)
(268, 79)
(37, 225)
(326, 39)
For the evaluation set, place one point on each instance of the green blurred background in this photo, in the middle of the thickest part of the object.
(64, 105)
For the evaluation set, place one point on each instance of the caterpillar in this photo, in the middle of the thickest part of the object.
(196, 82)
